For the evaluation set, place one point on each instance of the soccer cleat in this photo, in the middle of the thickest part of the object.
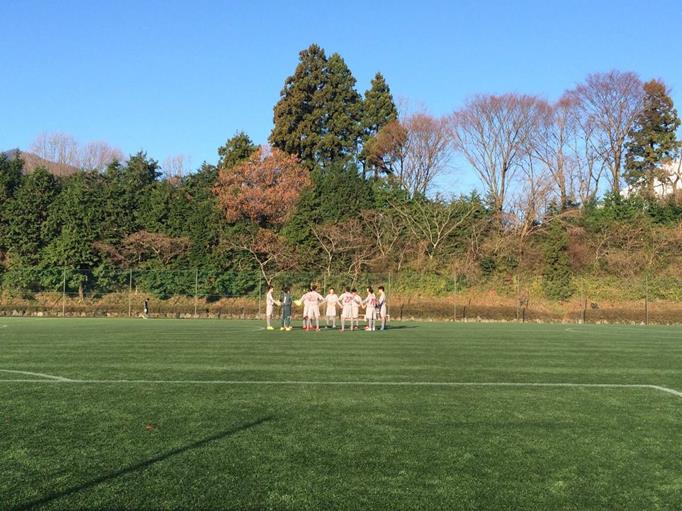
(288, 329)
(271, 328)
(282, 329)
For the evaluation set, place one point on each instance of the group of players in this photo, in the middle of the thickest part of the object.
(350, 302)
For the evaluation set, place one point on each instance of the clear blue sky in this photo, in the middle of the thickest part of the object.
(180, 77)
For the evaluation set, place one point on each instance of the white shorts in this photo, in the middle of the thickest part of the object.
(383, 312)
(331, 312)
(313, 311)
(306, 311)
(347, 312)
(371, 313)
(269, 310)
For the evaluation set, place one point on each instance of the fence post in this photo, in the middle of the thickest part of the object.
(388, 301)
(260, 283)
(646, 298)
(130, 293)
(64, 293)
(454, 308)
(196, 290)
(584, 304)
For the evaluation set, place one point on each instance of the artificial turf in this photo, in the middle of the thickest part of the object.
(284, 446)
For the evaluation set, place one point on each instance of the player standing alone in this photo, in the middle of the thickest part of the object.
(145, 310)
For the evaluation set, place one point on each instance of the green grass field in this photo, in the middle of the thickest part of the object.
(224, 415)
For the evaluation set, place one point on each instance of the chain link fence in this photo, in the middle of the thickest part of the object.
(204, 293)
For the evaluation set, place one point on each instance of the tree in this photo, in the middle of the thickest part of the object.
(557, 275)
(434, 221)
(414, 151)
(610, 103)
(98, 155)
(64, 150)
(652, 139)
(271, 252)
(336, 193)
(262, 189)
(26, 213)
(317, 117)
(493, 134)
(378, 110)
(551, 146)
(236, 149)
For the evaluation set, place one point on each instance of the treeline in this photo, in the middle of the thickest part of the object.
(345, 188)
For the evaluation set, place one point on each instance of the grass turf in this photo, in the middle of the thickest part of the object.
(153, 446)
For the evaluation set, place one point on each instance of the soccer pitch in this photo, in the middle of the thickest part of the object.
(169, 414)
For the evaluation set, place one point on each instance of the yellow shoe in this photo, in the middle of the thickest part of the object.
(282, 329)
(289, 329)
(271, 328)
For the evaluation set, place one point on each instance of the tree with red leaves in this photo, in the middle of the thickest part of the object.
(262, 189)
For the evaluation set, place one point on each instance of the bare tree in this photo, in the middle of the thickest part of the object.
(176, 166)
(551, 146)
(432, 221)
(57, 147)
(610, 102)
(530, 200)
(66, 151)
(98, 155)
(493, 133)
(415, 150)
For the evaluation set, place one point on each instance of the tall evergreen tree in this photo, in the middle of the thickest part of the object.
(236, 149)
(26, 213)
(378, 109)
(652, 139)
(317, 117)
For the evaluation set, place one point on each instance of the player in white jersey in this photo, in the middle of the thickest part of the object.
(356, 304)
(270, 303)
(382, 307)
(332, 300)
(312, 300)
(346, 300)
(370, 304)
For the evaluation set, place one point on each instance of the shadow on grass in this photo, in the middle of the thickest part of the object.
(138, 466)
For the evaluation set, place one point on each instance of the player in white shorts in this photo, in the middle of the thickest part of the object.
(312, 300)
(346, 300)
(370, 304)
(357, 302)
(270, 303)
(332, 300)
(382, 308)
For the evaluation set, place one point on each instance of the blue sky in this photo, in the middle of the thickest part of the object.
(174, 77)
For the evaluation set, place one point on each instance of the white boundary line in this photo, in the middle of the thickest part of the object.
(49, 377)
(58, 379)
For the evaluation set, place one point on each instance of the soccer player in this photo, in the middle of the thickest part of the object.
(356, 303)
(382, 308)
(313, 299)
(145, 313)
(270, 303)
(287, 302)
(332, 300)
(370, 304)
(346, 300)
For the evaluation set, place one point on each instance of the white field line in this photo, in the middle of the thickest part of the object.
(49, 377)
(58, 379)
